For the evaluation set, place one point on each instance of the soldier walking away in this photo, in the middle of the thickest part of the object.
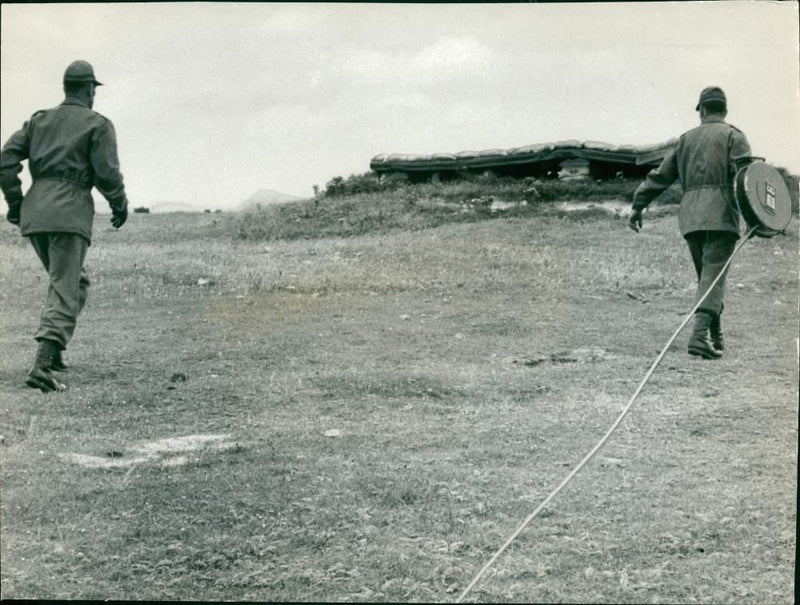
(70, 149)
(705, 161)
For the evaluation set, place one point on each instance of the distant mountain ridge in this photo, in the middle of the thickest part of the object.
(266, 197)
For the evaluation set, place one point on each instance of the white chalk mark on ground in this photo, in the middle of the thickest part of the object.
(612, 207)
(176, 445)
(101, 461)
(172, 451)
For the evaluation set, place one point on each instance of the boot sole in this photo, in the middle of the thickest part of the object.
(45, 385)
(704, 353)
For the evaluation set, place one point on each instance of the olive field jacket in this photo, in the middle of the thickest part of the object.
(704, 160)
(70, 149)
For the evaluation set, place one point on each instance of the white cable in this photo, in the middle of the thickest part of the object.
(600, 444)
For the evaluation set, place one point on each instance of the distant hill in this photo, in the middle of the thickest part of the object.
(266, 197)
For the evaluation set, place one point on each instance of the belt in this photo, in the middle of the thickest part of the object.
(721, 186)
(73, 176)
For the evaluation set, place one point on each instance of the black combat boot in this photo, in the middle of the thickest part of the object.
(715, 330)
(59, 362)
(40, 375)
(699, 344)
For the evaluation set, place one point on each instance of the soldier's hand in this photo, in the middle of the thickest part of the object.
(635, 220)
(13, 213)
(119, 214)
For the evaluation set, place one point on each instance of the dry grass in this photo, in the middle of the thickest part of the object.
(395, 405)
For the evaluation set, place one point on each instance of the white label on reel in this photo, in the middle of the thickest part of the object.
(771, 191)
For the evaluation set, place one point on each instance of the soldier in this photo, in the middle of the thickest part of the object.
(705, 161)
(69, 149)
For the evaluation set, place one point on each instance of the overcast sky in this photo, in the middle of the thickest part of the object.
(213, 101)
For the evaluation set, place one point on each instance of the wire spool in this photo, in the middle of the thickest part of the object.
(763, 199)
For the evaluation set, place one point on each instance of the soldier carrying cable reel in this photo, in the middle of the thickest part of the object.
(714, 166)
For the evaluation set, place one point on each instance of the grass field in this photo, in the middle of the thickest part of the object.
(368, 418)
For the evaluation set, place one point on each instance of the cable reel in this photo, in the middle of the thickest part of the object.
(763, 199)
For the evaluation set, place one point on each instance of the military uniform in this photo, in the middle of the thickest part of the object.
(705, 161)
(70, 149)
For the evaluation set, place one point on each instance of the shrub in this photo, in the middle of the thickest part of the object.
(368, 182)
(583, 189)
(142, 210)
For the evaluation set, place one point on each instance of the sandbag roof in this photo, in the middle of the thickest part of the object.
(529, 154)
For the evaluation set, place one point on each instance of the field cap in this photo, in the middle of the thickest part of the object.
(712, 93)
(80, 71)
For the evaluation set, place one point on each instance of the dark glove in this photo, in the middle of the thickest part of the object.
(119, 214)
(13, 213)
(635, 220)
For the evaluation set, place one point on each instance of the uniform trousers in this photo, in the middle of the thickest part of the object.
(710, 251)
(62, 255)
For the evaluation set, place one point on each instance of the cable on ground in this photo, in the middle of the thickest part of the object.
(617, 422)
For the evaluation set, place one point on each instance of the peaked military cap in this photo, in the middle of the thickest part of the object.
(712, 93)
(80, 71)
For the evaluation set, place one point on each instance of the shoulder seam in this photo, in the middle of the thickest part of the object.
(101, 116)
